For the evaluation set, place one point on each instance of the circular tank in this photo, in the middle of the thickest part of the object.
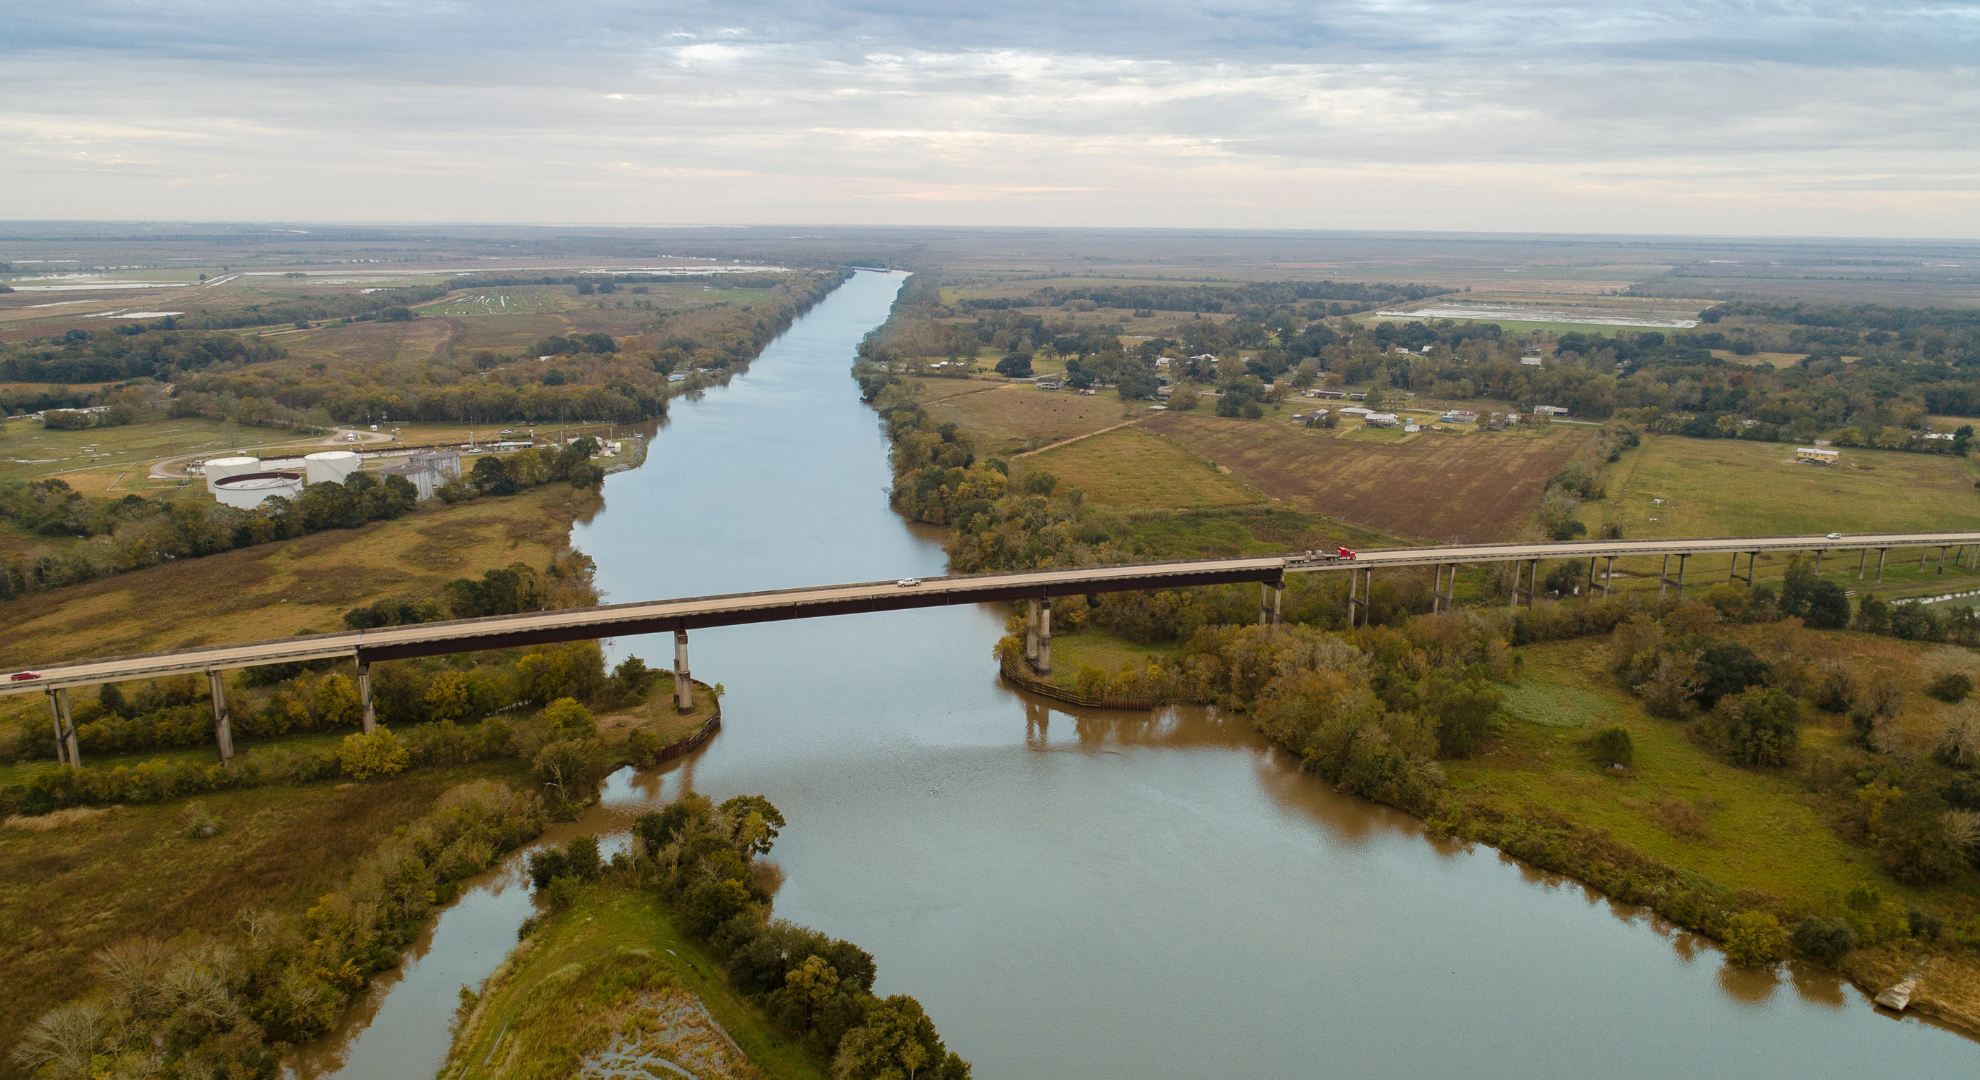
(219, 469)
(331, 466)
(245, 491)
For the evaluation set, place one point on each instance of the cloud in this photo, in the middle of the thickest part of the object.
(1499, 114)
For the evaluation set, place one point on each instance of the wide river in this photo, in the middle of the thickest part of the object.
(1092, 894)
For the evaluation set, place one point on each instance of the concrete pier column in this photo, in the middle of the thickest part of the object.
(1921, 559)
(1278, 603)
(1881, 552)
(364, 697)
(55, 715)
(1862, 560)
(1518, 565)
(1663, 577)
(683, 682)
(1264, 604)
(1818, 562)
(68, 728)
(1609, 577)
(1942, 558)
(1437, 591)
(1680, 580)
(1045, 636)
(1590, 598)
(1031, 631)
(223, 731)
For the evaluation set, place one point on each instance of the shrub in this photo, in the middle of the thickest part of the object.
(1612, 746)
(377, 754)
(1913, 840)
(1754, 939)
(1951, 688)
(1727, 667)
(1757, 727)
(568, 718)
(1825, 940)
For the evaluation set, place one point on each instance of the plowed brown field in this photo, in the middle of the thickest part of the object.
(1471, 488)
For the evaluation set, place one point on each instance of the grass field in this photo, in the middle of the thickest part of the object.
(371, 342)
(29, 451)
(1757, 828)
(1479, 487)
(1009, 418)
(132, 872)
(1727, 487)
(279, 589)
(1131, 469)
(613, 962)
(1245, 530)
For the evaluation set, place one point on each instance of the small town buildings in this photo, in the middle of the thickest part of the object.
(1381, 419)
(1551, 410)
(1050, 384)
(1460, 416)
(1357, 395)
(1328, 395)
(1815, 455)
(1530, 361)
(1356, 410)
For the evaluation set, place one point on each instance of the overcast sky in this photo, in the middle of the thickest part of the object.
(1687, 116)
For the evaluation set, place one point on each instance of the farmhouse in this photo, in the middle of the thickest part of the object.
(1460, 416)
(1551, 410)
(1381, 419)
(1328, 395)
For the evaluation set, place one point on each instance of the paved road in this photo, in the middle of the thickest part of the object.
(507, 631)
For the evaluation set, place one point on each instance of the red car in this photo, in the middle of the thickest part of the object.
(23, 676)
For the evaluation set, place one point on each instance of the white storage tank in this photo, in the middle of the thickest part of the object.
(245, 491)
(219, 469)
(331, 466)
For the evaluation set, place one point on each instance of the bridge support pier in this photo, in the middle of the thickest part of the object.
(1532, 567)
(1881, 552)
(1921, 559)
(1665, 579)
(1264, 604)
(1443, 594)
(364, 697)
(683, 682)
(1045, 636)
(1031, 633)
(66, 752)
(1357, 600)
(1608, 577)
(1862, 560)
(223, 731)
(1751, 558)
(1942, 558)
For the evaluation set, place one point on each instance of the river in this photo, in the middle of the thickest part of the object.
(1085, 893)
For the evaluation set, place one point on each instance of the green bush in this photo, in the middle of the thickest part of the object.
(1754, 939)
(1612, 746)
(1951, 689)
(1826, 940)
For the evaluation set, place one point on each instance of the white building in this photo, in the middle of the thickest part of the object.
(424, 478)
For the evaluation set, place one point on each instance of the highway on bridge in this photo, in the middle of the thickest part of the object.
(616, 620)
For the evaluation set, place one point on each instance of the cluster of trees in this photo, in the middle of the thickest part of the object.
(225, 376)
(1250, 298)
(133, 532)
(509, 473)
(128, 352)
(699, 857)
(231, 1004)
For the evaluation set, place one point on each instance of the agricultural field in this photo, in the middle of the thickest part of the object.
(1432, 487)
(519, 300)
(1677, 486)
(370, 342)
(285, 588)
(1013, 417)
(1131, 469)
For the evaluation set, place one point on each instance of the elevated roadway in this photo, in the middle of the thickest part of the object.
(680, 616)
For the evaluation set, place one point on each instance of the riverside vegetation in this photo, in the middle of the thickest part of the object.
(789, 1001)
(1841, 818)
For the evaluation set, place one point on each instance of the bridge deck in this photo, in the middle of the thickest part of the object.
(616, 620)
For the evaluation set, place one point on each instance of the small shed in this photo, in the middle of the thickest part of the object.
(1816, 455)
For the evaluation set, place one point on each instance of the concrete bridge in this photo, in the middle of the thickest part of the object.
(366, 647)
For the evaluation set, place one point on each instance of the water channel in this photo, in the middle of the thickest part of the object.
(1092, 894)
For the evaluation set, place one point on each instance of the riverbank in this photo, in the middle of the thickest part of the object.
(611, 972)
(1679, 831)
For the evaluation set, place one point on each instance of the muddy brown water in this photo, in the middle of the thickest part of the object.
(1085, 893)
